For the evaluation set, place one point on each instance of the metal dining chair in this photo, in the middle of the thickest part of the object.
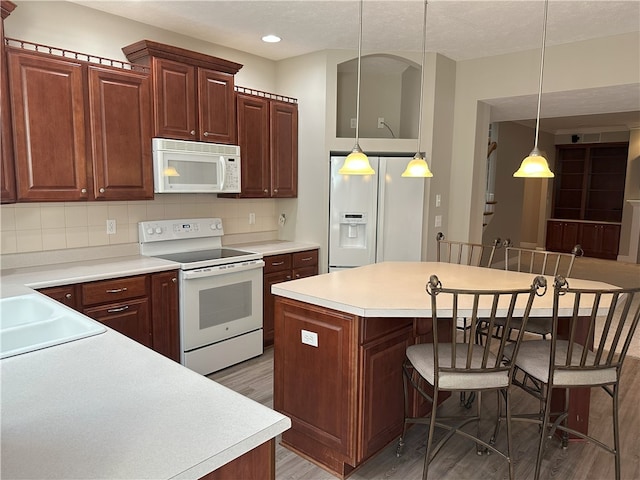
(539, 262)
(465, 253)
(448, 366)
(574, 365)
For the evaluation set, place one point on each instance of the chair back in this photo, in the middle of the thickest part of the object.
(541, 262)
(465, 253)
(611, 334)
(496, 308)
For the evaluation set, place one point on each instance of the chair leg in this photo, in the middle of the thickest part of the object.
(432, 427)
(616, 431)
(496, 431)
(543, 432)
(405, 389)
(507, 403)
(479, 448)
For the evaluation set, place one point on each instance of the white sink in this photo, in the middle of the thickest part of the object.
(32, 322)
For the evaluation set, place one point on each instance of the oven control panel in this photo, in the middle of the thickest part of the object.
(163, 230)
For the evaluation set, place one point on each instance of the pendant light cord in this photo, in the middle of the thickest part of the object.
(424, 54)
(358, 90)
(544, 37)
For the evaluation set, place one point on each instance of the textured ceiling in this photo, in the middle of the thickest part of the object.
(460, 30)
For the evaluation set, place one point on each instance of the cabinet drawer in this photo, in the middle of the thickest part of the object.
(305, 259)
(114, 290)
(276, 263)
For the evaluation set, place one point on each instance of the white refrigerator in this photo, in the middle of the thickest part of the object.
(374, 218)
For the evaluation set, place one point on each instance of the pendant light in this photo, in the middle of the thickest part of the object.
(535, 165)
(357, 162)
(418, 167)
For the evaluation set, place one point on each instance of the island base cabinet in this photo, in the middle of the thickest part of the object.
(339, 378)
(256, 464)
(314, 382)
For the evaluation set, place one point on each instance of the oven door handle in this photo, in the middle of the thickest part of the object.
(222, 270)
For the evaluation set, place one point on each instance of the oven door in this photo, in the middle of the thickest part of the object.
(220, 303)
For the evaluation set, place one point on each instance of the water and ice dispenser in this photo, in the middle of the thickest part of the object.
(353, 229)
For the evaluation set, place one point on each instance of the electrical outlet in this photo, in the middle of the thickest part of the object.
(380, 122)
(252, 219)
(111, 227)
(282, 219)
(353, 123)
(309, 338)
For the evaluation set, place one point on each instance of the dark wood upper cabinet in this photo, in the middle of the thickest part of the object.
(268, 139)
(120, 113)
(81, 131)
(193, 93)
(47, 101)
(7, 173)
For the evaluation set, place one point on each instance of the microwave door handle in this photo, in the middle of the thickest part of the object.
(223, 164)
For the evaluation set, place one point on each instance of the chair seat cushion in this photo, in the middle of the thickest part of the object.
(533, 359)
(421, 357)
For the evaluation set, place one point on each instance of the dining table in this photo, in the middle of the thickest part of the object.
(340, 340)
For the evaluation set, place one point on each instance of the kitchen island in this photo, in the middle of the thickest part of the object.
(339, 345)
(107, 407)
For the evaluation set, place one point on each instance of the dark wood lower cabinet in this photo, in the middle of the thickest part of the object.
(339, 378)
(598, 240)
(142, 307)
(256, 464)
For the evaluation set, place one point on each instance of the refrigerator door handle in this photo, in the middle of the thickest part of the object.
(382, 184)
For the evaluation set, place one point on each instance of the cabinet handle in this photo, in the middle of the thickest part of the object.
(192, 132)
(102, 190)
(119, 309)
(117, 290)
(275, 264)
(83, 191)
(306, 259)
(297, 275)
(206, 134)
(266, 191)
(67, 296)
(288, 277)
(275, 191)
(174, 279)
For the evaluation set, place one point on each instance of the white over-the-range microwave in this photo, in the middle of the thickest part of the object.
(182, 166)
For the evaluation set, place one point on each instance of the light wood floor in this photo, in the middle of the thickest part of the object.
(457, 460)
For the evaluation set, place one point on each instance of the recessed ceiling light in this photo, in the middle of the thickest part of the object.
(271, 38)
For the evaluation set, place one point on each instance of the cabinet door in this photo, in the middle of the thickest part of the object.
(268, 303)
(383, 399)
(570, 235)
(120, 112)
(217, 107)
(610, 241)
(253, 138)
(67, 295)
(554, 236)
(164, 309)
(284, 149)
(131, 318)
(47, 101)
(174, 90)
(7, 173)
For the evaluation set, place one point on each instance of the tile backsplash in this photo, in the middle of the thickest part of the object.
(38, 227)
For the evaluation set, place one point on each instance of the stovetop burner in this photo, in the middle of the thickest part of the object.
(204, 255)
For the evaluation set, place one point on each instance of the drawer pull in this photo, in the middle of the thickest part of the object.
(119, 309)
(306, 259)
(117, 290)
(288, 277)
(297, 275)
(68, 296)
(275, 264)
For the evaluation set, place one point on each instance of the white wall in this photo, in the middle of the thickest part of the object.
(588, 64)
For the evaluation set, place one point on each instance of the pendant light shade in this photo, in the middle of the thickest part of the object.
(536, 165)
(357, 162)
(418, 167)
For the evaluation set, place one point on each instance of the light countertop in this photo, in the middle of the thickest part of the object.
(397, 289)
(67, 273)
(107, 407)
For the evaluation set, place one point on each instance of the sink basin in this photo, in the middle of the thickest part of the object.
(33, 322)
